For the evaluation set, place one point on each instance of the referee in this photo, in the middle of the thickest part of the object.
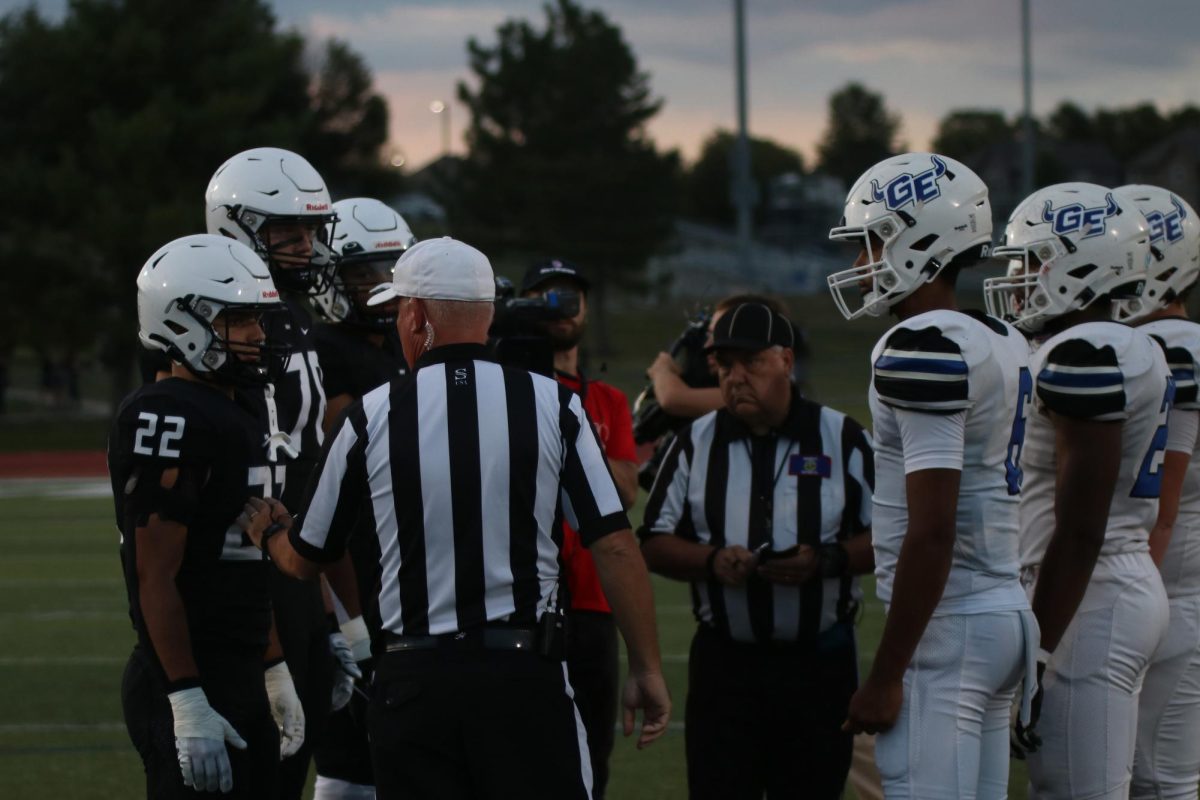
(764, 506)
(467, 469)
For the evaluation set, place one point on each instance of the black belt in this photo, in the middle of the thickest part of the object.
(482, 639)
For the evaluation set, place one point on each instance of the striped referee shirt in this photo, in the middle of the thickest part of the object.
(466, 469)
(810, 483)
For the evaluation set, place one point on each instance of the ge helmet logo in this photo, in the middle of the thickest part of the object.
(908, 188)
(1167, 226)
(1075, 217)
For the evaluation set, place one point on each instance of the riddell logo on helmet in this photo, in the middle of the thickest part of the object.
(316, 206)
(389, 244)
(269, 293)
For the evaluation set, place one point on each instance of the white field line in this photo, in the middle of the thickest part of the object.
(61, 661)
(72, 727)
(58, 488)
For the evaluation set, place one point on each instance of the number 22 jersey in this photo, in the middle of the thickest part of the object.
(950, 390)
(1101, 372)
(186, 452)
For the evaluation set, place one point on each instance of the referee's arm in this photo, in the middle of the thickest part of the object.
(595, 506)
(302, 551)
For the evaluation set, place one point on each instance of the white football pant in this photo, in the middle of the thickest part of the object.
(1092, 683)
(951, 739)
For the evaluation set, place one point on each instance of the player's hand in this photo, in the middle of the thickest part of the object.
(733, 565)
(792, 570)
(285, 708)
(875, 707)
(647, 691)
(200, 738)
(663, 364)
(346, 673)
(260, 514)
(1025, 739)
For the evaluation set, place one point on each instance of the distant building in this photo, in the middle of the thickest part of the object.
(1173, 163)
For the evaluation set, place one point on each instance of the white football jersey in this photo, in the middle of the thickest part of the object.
(945, 363)
(1100, 371)
(1181, 564)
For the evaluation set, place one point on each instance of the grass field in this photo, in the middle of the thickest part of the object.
(63, 612)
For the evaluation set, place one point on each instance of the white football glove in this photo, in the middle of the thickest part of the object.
(285, 708)
(345, 674)
(359, 638)
(200, 737)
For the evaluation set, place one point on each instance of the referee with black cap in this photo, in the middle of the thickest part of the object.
(764, 506)
(466, 469)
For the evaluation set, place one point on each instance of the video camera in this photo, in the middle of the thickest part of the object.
(518, 333)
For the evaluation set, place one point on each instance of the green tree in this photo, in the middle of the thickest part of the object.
(113, 121)
(1070, 123)
(707, 185)
(861, 132)
(558, 159)
(964, 133)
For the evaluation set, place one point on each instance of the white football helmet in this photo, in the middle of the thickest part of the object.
(268, 186)
(1174, 249)
(184, 287)
(925, 209)
(1068, 245)
(368, 239)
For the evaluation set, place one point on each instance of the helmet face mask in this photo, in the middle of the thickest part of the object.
(368, 240)
(910, 215)
(1174, 250)
(1068, 245)
(274, 202)
(206, 301)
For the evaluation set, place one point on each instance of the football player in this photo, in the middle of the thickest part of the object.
(1093, 466)
(948, 396)
(274, 202)
(359, 350)
(183, 455)
(1166, 761)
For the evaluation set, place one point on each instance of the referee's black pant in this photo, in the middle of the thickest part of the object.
(462, 722)
(767, 718)
(592, 664)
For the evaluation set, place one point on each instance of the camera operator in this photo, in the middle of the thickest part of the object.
(592, 652)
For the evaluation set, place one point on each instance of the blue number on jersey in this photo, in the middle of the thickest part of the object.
(1012, 462)
(1149, 479)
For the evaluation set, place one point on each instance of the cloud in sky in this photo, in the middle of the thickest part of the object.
(926, 56)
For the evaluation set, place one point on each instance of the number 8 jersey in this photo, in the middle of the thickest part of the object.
(950, 390)
(1103, 372)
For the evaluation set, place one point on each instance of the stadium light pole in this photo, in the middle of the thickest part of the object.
(1029, 144)
(742, 189)
(443, 111)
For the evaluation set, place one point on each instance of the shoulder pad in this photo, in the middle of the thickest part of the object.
(1180, 341)
(163, 422)
(996, 326)
(1082, 380)
(923, 370)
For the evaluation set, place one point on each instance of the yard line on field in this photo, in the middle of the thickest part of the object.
(58, 583)
(58, 488)
(59, 727)
(61, 661)
(63, 614)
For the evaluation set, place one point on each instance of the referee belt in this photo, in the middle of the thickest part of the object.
(493, 638)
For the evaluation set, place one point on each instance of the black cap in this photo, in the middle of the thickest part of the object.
(544, 271)
(752, 326)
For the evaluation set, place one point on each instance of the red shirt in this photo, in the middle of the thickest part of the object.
(609, 410)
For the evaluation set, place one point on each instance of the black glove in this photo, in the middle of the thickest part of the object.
(1025, 739)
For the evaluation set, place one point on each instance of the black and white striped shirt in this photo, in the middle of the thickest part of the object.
(808, 483)
(466, 468)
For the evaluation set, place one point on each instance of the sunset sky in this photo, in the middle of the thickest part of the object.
(925, 56)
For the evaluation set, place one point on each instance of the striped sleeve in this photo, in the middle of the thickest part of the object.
(590, 499)
(859, 459)
(667, 507)
(922, 370)
(1082, 381)
(1183, 370)
(338, 492)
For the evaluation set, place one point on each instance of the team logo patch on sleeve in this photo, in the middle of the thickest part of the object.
(820, 466)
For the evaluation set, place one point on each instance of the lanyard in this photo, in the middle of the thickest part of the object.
(767, 497)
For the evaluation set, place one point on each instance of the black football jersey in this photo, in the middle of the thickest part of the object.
(218, 447)
(352, 365)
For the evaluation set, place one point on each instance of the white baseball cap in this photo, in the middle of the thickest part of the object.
(439, 269)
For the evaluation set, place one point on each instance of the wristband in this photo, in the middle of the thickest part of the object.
(271, 530)
(711, 563)
(834, 560)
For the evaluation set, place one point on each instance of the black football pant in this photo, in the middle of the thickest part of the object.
(767, 719)
(235, 690)
(593, 670)
(345, 752)
(304, 634)
(473, 723)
